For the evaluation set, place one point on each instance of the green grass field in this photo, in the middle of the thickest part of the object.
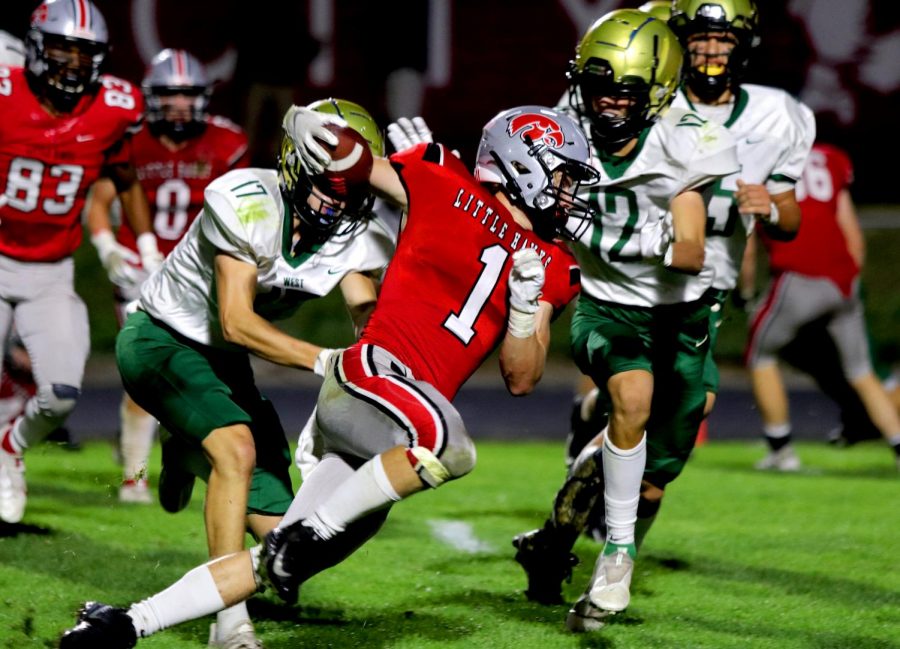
(737, 559)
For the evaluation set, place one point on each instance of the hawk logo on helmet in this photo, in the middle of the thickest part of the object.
(39, 17)
(537, 128)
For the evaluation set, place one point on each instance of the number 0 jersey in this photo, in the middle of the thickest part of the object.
(245, 217)
(48, 163)
(174, 180)
(679, 152)
(774, 133)
(443, 304)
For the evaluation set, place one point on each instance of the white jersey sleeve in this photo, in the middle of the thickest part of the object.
(705, 150)
(221, 226)
(797, 131)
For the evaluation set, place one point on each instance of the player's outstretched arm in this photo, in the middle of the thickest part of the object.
(137, 210)
(241, 325)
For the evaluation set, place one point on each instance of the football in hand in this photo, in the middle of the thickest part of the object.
(351, 163)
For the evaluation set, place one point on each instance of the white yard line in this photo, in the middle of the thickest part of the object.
(458, 535)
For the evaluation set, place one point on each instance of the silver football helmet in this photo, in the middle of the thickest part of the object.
(540, 157)
(176, 72)
(65, 47)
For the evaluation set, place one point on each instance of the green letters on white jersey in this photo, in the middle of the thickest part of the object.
(244, 216)
(774, 134)
(681, 151)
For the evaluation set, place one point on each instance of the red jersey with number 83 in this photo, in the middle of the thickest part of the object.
(48, 163)
(443, 306)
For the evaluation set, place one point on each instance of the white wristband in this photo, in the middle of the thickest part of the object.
(520, 324)
(773, 214)
(146, 245)
(322, 361)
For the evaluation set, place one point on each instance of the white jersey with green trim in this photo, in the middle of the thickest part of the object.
(774, 134)
(245, 217)
(681, 151)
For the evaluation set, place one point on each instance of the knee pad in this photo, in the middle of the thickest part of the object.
(456, 461)
(56, 400)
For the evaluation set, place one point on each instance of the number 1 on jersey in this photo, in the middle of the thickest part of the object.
(462, 324)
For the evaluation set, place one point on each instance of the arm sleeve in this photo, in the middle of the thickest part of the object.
(798, 136)
(223, 229)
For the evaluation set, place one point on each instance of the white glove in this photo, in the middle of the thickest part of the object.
(305, 126)
(405, 133)
(656, 239)
(118, 260)
(526, 279)
(151, 257)
(322, 360)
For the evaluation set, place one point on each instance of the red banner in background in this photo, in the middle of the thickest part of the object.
(458, 62)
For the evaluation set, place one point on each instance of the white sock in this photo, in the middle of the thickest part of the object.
(367, 490)
(229, 619)
(777, 431)
(189, 598)
(622, 473)
(135, 441)
(317, 487)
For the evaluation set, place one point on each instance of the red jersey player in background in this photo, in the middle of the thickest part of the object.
(63, 124)
(181, 149)
(477, 266)
(816, 277)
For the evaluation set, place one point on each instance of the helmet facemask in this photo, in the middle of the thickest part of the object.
(178, 112)
(322, 215)
(63, 69)
(617, 111)
(717, 48)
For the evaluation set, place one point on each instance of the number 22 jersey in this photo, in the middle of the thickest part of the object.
(443, 306)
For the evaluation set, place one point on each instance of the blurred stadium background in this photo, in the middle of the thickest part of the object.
(458, 62)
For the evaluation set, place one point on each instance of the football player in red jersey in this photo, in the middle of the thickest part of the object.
(816, 276)
(179, 152)
(63, 124)
(477, 266)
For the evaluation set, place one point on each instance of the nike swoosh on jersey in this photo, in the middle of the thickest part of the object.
(84, 138)
(701, 341)
(335, 271)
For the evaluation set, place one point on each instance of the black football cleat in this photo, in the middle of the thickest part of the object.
(290, 554)
(546, 565)
(100, 625)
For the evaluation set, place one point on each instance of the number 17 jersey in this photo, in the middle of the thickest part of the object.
(443, 306)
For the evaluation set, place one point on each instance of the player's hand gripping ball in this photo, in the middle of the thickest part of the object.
(351, 162)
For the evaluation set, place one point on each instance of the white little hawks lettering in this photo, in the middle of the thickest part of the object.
(519, 239)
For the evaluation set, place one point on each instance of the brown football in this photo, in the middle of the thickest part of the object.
(351, 162)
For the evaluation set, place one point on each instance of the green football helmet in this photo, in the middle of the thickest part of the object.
(739, 18)
(342, 214)
(659, 9)
(625, 54)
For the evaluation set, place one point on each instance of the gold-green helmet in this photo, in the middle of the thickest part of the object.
(344, 213)
(739, 18)
(659, 9)
(625, 54)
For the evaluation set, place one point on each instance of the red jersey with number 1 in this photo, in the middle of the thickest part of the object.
(174, 180)
(819, 249)
(47, 162)
(443, 306)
